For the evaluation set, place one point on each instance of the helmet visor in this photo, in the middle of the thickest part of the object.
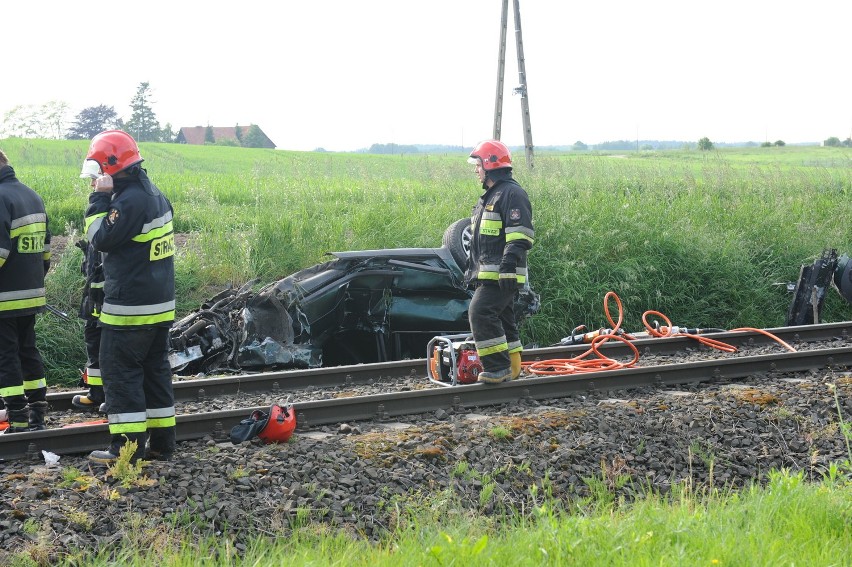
(91, 170)
(474, 160)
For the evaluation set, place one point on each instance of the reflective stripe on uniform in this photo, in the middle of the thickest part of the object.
(160, 422)
(126, 315)
(156, 228)
(12, 391)
(161, 417)
(93, 225)
(131, 422)
(36, 222)
(93, 377)
(491, 346)
(515, 346)
(36, 384)
(519, 233)
(22, 299)
(491, 272)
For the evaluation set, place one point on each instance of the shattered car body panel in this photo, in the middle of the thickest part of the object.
(364, 306)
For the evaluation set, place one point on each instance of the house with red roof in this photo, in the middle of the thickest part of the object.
(249, 136)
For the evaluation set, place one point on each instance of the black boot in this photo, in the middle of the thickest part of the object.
(19, 420)
(110, 455)
(37, 412)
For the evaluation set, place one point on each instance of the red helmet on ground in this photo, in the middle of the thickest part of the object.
(113, 151)
(279, 425)
(491, 154)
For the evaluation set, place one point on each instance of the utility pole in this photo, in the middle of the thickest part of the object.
(522, 75)
(501, 69)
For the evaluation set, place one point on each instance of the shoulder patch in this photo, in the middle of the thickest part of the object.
(112, 216)
(515, 214)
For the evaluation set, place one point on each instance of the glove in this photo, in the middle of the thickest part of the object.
(249, 427)
(508, 278)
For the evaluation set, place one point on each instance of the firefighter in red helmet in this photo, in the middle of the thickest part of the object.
(502, 234)
(130, 221)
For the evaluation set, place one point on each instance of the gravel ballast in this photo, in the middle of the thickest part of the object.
(350, 476)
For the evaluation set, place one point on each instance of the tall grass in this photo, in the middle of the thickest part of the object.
(704, 237)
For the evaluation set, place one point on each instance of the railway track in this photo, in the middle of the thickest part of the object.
(383, 406)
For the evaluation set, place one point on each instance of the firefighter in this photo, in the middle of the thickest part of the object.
(90, 310)
(502, 233)
(129, 221)
(24, 260)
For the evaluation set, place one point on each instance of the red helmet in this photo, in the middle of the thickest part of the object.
(113, 150)
(491, 154)
(279, 425)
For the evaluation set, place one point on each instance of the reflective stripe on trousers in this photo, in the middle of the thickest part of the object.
(137, 382)
(494, 327)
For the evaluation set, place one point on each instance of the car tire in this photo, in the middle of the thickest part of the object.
(457, 240)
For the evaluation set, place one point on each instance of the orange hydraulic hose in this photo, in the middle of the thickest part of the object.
(579, 364)
(768, 334)
(724, 347)
(562, 366)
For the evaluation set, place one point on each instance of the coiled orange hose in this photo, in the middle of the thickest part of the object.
(578, 364)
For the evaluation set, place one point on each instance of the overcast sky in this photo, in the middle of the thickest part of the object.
(344, 74)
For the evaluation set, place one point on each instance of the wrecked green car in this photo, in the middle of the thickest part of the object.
(361, 307)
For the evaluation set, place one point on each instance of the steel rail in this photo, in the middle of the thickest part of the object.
(208, 388)
(78, 439)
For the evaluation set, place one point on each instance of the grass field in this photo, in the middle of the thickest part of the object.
(703, 237)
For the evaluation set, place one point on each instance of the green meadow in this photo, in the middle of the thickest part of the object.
(703, 237)
(707, 238)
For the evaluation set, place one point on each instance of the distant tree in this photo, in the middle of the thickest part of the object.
(704, 144)
(392, 149)
(238, 132)
(55, 114)
(646, 147)
(167, 134)
(780, 143)
(766, 145)
(143, 124)
(20, 122)
(320, 150)
(847, 142)
(209, 138)
(254, 137)
(833, 142)
(617, 145)
(31, 121)
(91, 121)
(579, 146)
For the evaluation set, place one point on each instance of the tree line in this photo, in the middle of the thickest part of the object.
(50, 121)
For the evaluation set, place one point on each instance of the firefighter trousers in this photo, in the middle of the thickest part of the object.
(494, 326)
(21, 368)
(137, 382)
(94, 380)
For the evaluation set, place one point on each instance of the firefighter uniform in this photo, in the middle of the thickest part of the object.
(90, 311)
(24, 260)
(132, 227)
(502, 233)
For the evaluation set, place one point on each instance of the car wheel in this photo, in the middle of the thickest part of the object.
(457, 239)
